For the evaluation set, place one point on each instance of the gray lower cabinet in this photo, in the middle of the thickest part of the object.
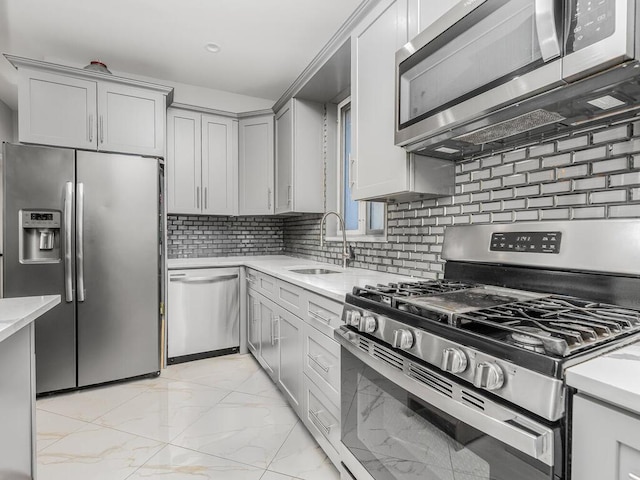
(268, 339)
(292, 339)
(289, 355)
(605, 439)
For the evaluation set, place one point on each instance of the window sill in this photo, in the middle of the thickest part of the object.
(359, 238)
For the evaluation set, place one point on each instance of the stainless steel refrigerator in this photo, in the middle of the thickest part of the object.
(85, 225)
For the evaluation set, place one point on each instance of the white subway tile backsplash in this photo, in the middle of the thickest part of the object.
(624, 179)
(608, 196)
(588, 212)
(610, 134)
(590, 174)
(569, 172)
(624, 211)
(613, 165)
(573, 143)
(556, 187)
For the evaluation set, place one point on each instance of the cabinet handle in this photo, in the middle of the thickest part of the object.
(269, 198)
(315, 418)
(251, 281)
(197, 197)
(274, 319)
(288, 194)
(206, 195)
(319, 317)
(90, 128)
(633, 476)
(101, 125)
(352, 162)
(314, 359)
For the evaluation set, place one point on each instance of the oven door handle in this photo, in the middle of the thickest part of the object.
(503, 424)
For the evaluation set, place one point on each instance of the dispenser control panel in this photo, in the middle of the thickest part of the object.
(40, 219)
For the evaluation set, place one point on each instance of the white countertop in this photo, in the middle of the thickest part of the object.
(331, 285)
(613, 378)
(16, 313)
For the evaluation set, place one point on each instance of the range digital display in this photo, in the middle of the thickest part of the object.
(526, 242)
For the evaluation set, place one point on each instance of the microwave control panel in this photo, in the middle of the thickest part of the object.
(591, 21)
(526, 242)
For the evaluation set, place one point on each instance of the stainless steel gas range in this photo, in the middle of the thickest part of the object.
(463, 378)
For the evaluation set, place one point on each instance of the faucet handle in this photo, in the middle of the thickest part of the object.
(352, 253)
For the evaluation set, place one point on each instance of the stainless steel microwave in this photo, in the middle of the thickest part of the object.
(489, 72)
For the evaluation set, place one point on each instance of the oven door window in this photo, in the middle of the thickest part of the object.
(396, 436)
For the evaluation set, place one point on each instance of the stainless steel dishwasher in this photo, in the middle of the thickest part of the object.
(202, 313)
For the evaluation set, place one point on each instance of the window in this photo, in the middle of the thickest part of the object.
(365, 220)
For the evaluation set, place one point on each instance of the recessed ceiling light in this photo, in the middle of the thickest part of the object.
(212, 47)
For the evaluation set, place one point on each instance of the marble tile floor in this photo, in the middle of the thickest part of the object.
(219, 418)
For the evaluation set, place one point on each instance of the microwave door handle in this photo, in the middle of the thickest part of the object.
(546, 28)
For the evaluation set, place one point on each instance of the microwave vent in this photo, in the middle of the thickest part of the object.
(523, 123)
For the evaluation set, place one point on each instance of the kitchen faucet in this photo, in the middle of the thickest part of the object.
(347, 253)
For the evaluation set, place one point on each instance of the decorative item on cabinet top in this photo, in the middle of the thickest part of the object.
(97, 66)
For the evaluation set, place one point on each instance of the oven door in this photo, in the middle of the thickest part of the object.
(401, 421)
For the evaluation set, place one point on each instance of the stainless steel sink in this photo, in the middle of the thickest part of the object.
(313, 271)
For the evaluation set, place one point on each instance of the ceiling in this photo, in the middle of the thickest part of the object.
(265, 44)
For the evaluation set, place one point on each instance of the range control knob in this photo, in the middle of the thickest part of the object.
(454, 360)
(354, 318)
(402, 339)
(368, 324)
(488, 375)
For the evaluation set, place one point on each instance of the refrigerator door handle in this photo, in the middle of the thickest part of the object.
(80, 241)
(68, 218)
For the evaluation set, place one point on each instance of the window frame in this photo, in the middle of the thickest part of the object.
(363, 233)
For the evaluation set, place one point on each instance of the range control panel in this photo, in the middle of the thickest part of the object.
(526, 242)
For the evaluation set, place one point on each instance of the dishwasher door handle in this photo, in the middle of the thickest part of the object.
(214, 278)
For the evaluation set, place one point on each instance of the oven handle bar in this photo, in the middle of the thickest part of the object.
(503, 424)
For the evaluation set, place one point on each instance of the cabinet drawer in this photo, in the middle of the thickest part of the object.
(322, 418)
(322, 362)
(323, 313)
(261, 283)
(290, 297)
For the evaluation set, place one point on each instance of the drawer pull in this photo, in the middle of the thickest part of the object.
(325, 368)
(633, 477)
(251, 281)
(319, 317)
(315, 418)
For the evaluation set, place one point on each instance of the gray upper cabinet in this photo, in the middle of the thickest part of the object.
(299, 172)
(130, 119)
(71, 107)
(423, 13)
(202, 158)
(379, 169)
(255, 166)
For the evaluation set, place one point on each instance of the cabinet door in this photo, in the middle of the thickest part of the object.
(380, 167)
(131, 120)
(308, 163)
(56, 110)
(423, 13)
(219, 165)
(605, 441)
(290, 334)
(284, 159)
(184, 166)
(268, 337)
(256, 166)
(253, 323)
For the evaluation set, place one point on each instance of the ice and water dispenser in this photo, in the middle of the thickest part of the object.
(39, 236)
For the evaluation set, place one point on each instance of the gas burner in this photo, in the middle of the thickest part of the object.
(529, 338)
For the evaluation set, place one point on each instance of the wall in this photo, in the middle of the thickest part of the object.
(6, 123)
(593, 174)
(211, 236)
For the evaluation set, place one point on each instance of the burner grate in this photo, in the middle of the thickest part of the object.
(390, 294)
(554, 325)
